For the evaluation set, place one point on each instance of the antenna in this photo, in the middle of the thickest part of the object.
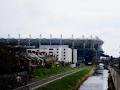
(40, 40)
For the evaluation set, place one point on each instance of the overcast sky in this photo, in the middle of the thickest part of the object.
(79, 17)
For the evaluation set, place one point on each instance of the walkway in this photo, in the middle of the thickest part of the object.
(37, 84)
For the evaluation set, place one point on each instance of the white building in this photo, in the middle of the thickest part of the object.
(61, 52)
(75, 56)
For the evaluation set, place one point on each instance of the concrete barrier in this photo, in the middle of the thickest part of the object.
(115, 73)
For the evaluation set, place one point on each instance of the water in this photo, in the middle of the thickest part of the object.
(96, 82)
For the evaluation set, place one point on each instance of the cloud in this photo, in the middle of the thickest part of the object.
(78, 17)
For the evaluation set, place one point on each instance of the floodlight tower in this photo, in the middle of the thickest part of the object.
(40, 40)
(8, 38)
(72, 41)
(92, 43)
(61, 39)
(72, 48)
(18, 39)
(84, 43)
(29, 42)
(50, 39)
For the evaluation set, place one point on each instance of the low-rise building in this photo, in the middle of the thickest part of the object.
(61, 52)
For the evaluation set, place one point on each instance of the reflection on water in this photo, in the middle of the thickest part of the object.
(96, 82)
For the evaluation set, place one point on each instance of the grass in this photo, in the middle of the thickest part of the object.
(67, 83)
(41, 73)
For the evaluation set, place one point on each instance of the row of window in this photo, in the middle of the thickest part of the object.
(57, 52)
(52, 49)
(63, 58)
(38, 51)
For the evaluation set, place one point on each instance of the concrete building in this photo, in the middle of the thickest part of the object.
(61, 52)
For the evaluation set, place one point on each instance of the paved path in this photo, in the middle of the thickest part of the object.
(37, 84)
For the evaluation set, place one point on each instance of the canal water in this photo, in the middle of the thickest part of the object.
(96, 82)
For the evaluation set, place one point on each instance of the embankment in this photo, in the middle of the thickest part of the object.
(71, 82)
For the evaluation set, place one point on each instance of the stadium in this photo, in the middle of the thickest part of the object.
(88, 49)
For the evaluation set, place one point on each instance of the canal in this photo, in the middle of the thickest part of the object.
(96, 82)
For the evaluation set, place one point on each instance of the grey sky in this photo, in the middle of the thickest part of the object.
(79, 17)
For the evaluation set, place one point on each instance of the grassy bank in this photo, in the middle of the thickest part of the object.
(69, 82)
(41, 73)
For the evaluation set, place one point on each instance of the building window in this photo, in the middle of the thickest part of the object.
(57, 49)
(29, 51)
(33, 52)
(40, 53)
(57, 56)
(64, 52)
(57, 52)
(64, 58)
(50, 49)
(64, 49)
(36, 53)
